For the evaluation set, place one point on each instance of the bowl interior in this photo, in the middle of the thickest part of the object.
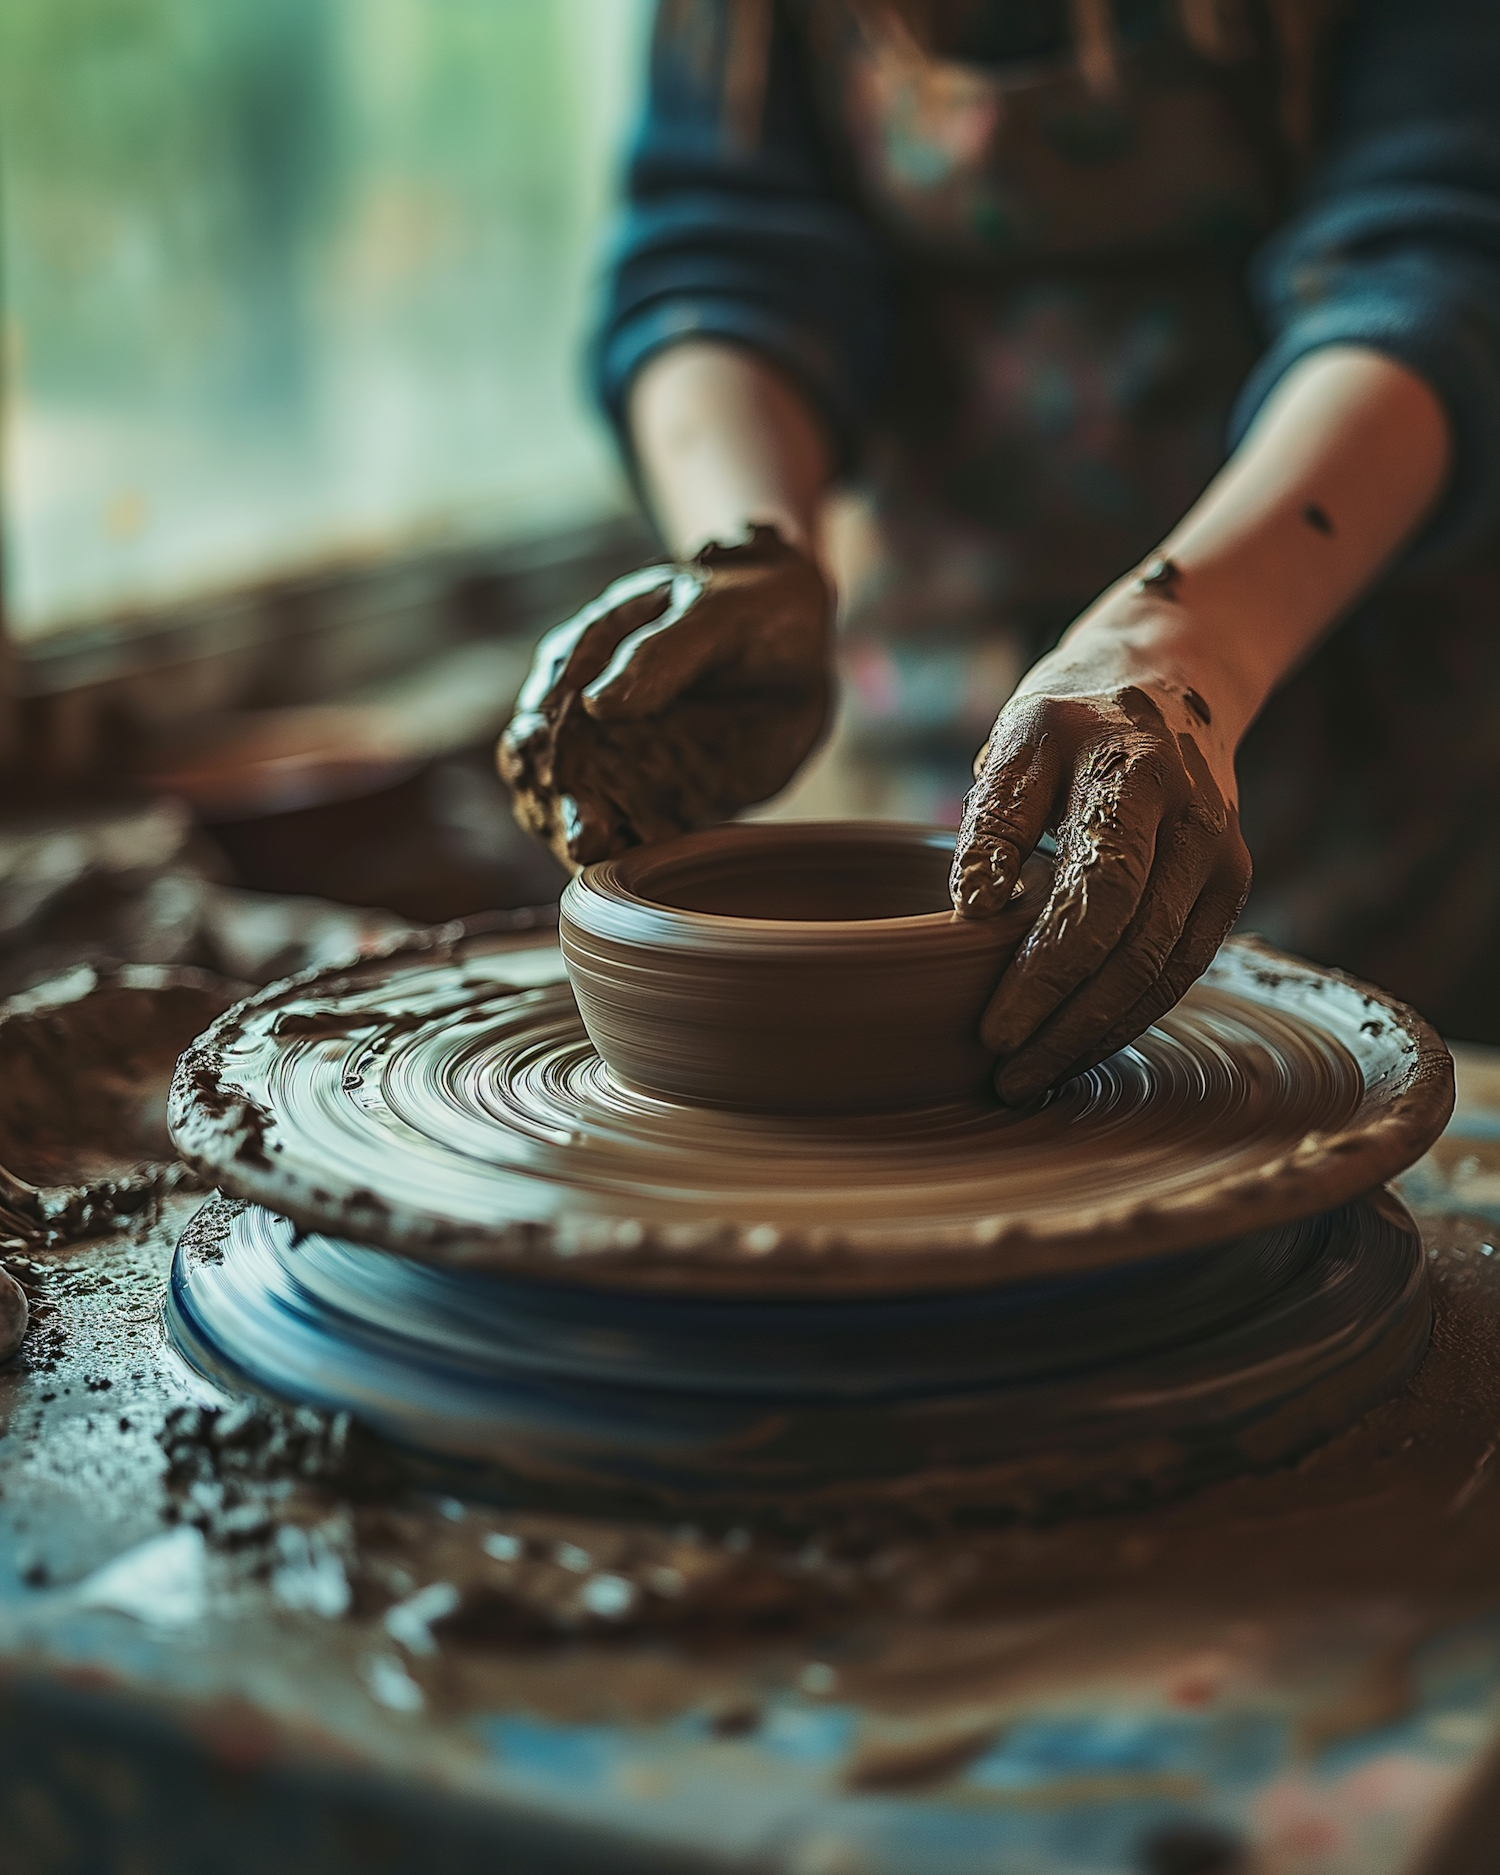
(799, 878)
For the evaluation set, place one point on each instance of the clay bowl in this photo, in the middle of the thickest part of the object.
(789, 968)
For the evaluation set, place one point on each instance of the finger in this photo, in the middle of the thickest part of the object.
(1106, 845)
(1207, 838)
(522, 752)
(1183, 866)
(1006, 813)
(656, 663)
(1209, 923)
(572, 654)
(620, 788)
(586, 831)
(606, 814)
(534, 812)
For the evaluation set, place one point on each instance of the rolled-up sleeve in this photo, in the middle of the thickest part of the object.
(736, 225)
(1395, 242)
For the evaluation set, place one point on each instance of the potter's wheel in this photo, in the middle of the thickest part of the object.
(450, 1107)
(1028, 1397)
(601, 1289)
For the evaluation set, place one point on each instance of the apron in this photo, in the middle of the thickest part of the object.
(1074, 329)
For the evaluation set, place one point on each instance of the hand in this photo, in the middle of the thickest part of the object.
(1151, 869)
(682, 694)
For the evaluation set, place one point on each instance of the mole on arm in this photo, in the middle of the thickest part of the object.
(1318, 518)
(1160, 576)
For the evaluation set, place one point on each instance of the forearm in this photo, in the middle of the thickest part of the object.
(723, 440)
(1347, 457)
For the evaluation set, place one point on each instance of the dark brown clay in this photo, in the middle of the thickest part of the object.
(685, 692)
(85, 1063)
(14, 1314)
(444, 1102)
(797, 968)
(1147, 846)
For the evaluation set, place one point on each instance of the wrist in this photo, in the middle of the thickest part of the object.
(725, 441)
(1179, 642)
(749, 527)
(1128, 639)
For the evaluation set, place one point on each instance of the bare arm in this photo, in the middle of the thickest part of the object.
(724, 440)
(1123, 738)
(1347, 457)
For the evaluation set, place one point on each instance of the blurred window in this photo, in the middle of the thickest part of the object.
(295, 282)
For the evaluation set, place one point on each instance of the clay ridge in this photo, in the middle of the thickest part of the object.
(500, 1142)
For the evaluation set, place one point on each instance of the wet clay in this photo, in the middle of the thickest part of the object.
(943, 1636)
(14, 1315)
(1151, 868)
(790, 969)
(1403, 1503)
(452, 1108)
(1308, 1591)
(1312, 1592)
(85, 1062)
(684, 693)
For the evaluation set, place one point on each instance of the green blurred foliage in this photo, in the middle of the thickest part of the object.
(178, 173)
(289, 278)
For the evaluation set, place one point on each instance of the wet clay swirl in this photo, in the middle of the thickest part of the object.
(448, 1105)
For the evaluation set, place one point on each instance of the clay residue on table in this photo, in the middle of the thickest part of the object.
(333, 1588)
(85, 1061)
(942, 1636)
(15, 1315)
(1400, 1513)
(1018, 1403)
(1416, 1470)
(389, 1624)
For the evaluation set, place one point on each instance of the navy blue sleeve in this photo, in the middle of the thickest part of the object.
(1395, 242)
(736, 226)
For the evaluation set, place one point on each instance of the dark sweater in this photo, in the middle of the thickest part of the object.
(1392, 241)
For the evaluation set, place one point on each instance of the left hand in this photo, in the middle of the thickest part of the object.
(684, 693)
(1121, 761)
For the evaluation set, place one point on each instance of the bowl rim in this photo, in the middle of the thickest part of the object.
(603, 884)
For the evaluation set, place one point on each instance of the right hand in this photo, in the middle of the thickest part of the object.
(684, 693)
(1151, 868)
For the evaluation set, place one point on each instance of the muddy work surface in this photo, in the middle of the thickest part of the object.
(241, 1635)
(1297, 1672)
(85, 1064)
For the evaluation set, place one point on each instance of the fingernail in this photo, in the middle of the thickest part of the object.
(1003, 1040)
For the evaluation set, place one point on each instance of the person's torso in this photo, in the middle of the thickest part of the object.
(1071, 235)
(1069, 221)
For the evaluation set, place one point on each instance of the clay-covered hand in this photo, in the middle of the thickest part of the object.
(684, 693)
(1151, 870)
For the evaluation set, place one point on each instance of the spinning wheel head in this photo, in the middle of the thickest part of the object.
(450, 1106)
